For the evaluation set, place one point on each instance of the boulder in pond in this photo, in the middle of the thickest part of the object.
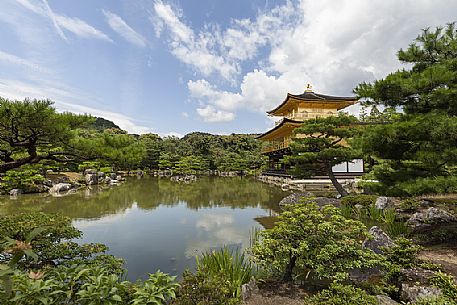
(59, 188)
(430, 218)
(379, 239)
(48, 183)
(91, 179)
(15, 192)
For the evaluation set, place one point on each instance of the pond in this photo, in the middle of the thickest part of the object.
(154, 223)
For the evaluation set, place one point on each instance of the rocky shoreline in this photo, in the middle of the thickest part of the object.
(60, 184)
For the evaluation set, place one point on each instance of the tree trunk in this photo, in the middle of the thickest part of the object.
(335, 182)
(289, 268)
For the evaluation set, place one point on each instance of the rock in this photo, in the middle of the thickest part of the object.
(90, 171)
(60, 187)
(48, 183)
(248, 289)
(430, 218)
(101, 175)
(119, 178)
(285, 187)
(385, 300)
(107, 180)
(415, 284)
(379, 240)
(91, 179)
(383, 203)
(295, 198)
(15, 192)
(414, 293)
(113, 182)
(113, 176)
(298, 198)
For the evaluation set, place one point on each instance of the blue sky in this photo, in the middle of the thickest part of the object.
(172, 67)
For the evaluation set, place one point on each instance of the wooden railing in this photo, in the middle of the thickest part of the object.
(276, 146)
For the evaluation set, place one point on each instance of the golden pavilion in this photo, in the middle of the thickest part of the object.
(294, 110)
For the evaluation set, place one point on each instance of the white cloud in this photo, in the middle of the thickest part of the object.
(122, 28)
(16, 60)
(75, 25)
(18, 90)
(333, 46)
(191, 49)
(213, 115)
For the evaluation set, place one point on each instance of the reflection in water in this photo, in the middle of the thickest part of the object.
(158, 224)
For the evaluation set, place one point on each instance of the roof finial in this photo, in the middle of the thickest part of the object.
(309, 88)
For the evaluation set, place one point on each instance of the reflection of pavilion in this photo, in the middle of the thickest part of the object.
(294, 110)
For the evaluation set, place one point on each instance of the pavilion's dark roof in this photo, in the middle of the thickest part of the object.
(283, 121)
(317, 97)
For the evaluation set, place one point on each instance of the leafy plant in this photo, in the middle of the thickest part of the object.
(362, 199)
(200, 289)
(159, 288)
(409, 204)
(446, 283)
(317, 242)
(24, 179)
(338, 294)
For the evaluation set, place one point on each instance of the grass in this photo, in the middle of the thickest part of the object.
(228, 265)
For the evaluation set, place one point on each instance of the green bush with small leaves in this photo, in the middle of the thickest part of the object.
(27, 180)
(362, 199)
(338, 294)
(313, 241)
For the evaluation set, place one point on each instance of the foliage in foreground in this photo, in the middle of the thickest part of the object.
(34, 243)
(338, 294)
(313, 241)
(217, 280)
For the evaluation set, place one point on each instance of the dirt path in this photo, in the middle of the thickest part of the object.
(445, 256)
(277, 294)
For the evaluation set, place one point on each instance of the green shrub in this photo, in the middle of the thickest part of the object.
(338, 294)
(362, 199)
(81, 284)
(25, 179)
(409, 204)
(53, 243)
(446, 283)
(403, 254)
(435, 301)
(317, 242)
(83, 276)
(199, 288)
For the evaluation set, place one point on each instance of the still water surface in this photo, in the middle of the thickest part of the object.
(154, 223)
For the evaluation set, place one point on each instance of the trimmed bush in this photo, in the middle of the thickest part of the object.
(362, 199)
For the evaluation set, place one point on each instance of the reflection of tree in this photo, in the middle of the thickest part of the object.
(149, 193)
(210, 192)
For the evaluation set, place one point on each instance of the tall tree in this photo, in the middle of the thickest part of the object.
(321, 143)
(419, 146)
(32, 131)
